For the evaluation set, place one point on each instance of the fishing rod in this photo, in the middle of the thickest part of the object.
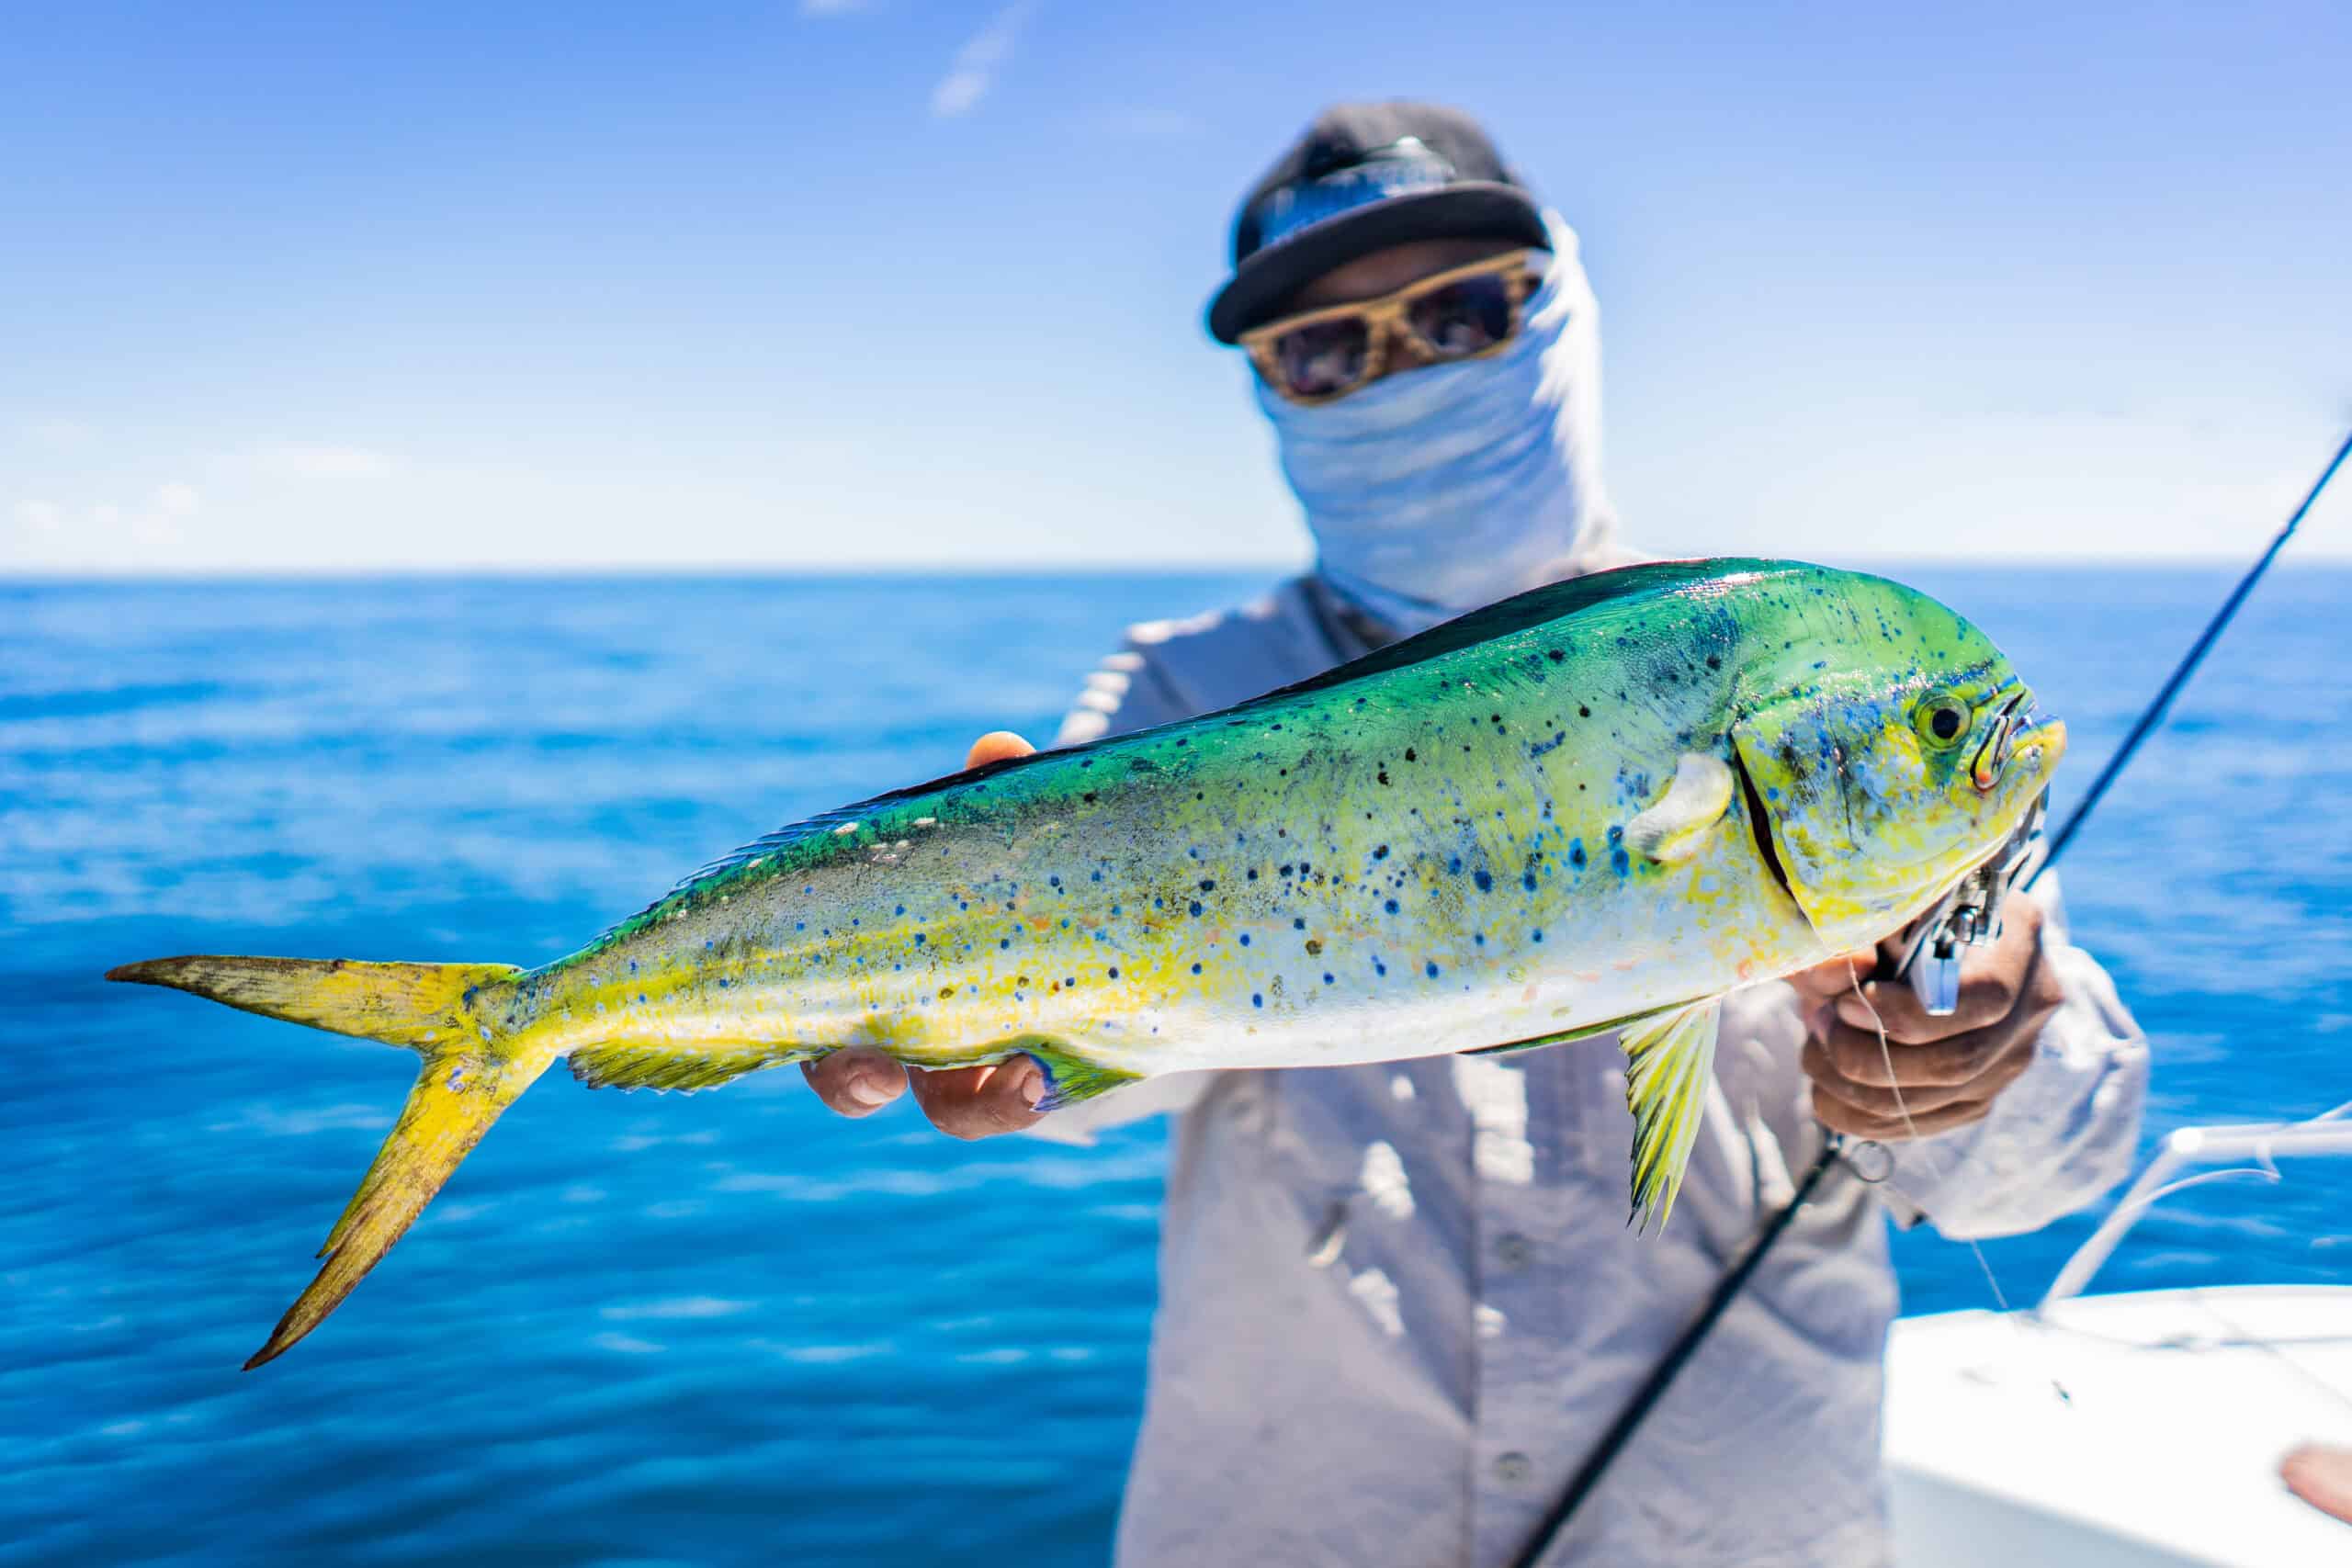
(1969, 916)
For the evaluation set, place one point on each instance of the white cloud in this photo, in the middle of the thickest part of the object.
(157, 523)
(299, 460)
(976, 64)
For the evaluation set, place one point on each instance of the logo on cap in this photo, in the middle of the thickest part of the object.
(1401, 167)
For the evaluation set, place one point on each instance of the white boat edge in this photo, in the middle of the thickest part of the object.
(2141, 1429)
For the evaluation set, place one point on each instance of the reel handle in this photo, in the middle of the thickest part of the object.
(1969, 916)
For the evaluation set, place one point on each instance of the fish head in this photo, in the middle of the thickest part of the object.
(1885, 754)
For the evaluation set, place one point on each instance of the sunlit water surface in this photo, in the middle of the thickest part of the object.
(732, 1328)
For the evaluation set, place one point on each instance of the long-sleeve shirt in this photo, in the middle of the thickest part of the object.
(1399, 1304)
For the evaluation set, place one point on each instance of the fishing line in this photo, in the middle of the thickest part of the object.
(1886, 1054)
(1977, 1249)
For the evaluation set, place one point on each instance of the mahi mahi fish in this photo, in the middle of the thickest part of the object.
(1589, 810)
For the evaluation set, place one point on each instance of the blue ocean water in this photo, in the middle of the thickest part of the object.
(732, 1328)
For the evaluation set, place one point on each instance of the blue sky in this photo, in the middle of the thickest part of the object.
(843, 282)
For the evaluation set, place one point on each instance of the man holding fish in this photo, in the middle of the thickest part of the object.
(1560, 862)
(1399, 1303)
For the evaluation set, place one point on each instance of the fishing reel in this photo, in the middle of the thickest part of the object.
(1969, 916)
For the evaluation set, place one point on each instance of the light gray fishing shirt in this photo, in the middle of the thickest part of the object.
(1399, 1304)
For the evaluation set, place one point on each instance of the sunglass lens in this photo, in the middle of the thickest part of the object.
(1323, 358)
(1463, 318)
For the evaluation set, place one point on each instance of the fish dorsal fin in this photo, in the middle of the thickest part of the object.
(619, 1065)
(1533, 608)
(1668, 1064)
(1673, 829)
(1517, 614)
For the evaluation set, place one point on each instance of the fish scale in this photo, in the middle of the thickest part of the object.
(1593, 809)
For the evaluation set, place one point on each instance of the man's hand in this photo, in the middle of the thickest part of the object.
(963, 1102)
(1948, 1069)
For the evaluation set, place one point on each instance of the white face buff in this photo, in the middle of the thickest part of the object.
(1433, 491)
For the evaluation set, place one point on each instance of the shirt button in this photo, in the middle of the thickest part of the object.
(1512, 1466)
(1513, 1250)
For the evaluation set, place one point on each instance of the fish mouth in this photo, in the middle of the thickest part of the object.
(2020, 728)
(1760, 828)
(2041, 739)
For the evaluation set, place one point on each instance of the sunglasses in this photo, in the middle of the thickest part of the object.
(1464, 312)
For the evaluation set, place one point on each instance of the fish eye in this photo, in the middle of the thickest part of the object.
(1941, 721)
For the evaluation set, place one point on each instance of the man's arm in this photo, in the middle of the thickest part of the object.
(2025, 1102)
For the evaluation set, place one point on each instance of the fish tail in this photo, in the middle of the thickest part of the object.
(472, 1072)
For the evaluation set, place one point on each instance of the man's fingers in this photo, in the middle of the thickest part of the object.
(855, 1081)
(1856, 1055)
(1876, 1100)
(1834, 1112)
(997, 746)
(979, 1102)
(1986, 995)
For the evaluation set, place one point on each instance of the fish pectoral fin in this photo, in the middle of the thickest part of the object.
(1069, 1078)
(1668, 1064)
(624, 1065)
(1673, 829)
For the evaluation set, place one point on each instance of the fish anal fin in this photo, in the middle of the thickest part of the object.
(1569, 1036)
(1673, 829)
(622, 1065)
(1069, 1076)
(1670, 1063)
